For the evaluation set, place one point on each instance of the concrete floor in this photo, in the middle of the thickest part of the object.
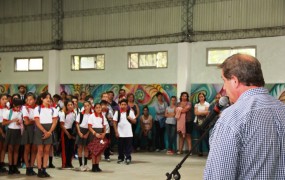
(145, 165)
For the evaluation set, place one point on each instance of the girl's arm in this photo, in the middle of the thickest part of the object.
(7, 122)
(186, 108)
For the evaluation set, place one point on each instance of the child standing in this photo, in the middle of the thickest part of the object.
(123, 121)
(67, 118)
(30, 150)
(3, 109)
(45, 119)
(13, 119)
(82, 135)
(97, 127)
(109, 116)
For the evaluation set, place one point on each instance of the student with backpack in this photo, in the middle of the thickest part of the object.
(3, 147)
(13, 120)
(30, 150)
(46, 118)
(109, 116)
(67, 120)
(123, 120)
(82, 135)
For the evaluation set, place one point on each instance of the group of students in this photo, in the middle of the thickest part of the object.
(47, 124)
(42, 121)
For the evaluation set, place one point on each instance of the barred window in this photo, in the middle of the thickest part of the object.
(138, 60)
(29, 64)
(88, 62)
(217, 56)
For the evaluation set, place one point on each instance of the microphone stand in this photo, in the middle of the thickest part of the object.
(175, 173)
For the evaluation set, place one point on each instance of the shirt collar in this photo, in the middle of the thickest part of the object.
(14, 110)
(42, 106)
(98, 115)
(252, 92)
(83, 112)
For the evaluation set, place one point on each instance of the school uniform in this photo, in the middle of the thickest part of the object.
(97, 124)
(46, 116)
(13, 135)
(83, 126)
(125, 135)
(67, 145)
(2, 111)
(28, 132)
(108, 133)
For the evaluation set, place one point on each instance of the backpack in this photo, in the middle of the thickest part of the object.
(119, 114)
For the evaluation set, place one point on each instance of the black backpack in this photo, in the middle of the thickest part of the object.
(119, 114)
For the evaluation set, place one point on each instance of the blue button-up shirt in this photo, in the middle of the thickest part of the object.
(248, 140)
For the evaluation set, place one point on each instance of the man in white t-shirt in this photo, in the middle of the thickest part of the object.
(123, 120)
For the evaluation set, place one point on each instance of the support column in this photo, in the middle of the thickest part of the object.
(183, 68)
(53, 72)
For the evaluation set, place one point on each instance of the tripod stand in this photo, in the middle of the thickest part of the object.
(175, 173)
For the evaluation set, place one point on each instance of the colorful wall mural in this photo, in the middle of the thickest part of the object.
(13, 88)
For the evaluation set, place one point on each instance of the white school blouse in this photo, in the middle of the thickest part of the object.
(46, 115)
(84, 123)
(2, 111)
(96, 121)
(28, 112)
(15, 114)
(67, 119)
(124, 126)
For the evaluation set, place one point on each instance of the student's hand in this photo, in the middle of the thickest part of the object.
(117, 134)
(15, 120)
(46, 135)
(69, 136)
(85, 136)
(18, 122)
(80, 135)
(99, 136)
(103, 135)
(4, 135)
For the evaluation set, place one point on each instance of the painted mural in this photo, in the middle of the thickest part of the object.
(13, 88)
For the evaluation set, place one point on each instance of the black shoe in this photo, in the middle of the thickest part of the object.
(33, 173)
(11, 171)
(15, 170)
(46, 174)
(51, 166)
(3, 170)
(120, 161)
(41, 174)
(98, 169)
(128, 161)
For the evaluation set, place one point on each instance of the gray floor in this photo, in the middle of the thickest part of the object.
(144, 166)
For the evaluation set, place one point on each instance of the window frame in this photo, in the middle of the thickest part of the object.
(226, 48)
(29, 58)
(86, 55)
(146, 53)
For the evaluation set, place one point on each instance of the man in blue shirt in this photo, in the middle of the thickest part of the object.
(248, 140)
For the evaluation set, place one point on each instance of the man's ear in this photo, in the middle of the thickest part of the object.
(235, 82)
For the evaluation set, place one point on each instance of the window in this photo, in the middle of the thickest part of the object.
(216, 56)
(29, 64)
(88, 62)
(147, 60)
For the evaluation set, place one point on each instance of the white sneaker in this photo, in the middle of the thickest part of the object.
(87, 168)
(157, 150)
(82, 168)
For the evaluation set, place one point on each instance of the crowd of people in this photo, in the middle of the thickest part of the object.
(34, 129)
